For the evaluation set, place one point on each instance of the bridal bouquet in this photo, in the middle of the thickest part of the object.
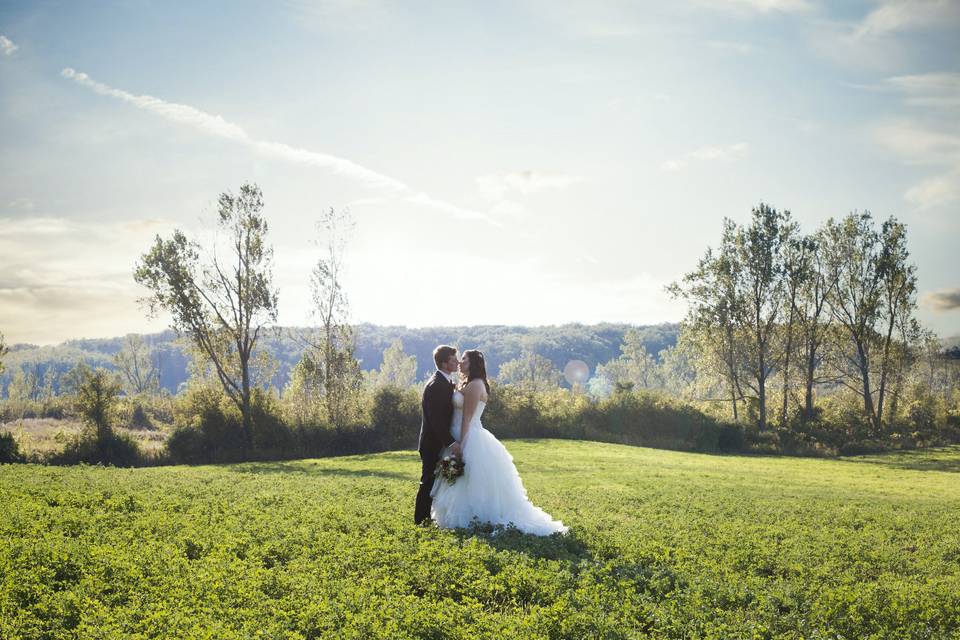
(450, 468)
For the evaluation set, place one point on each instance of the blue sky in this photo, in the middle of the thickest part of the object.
(510, 163)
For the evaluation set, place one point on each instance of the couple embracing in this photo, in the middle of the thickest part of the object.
(489, 489)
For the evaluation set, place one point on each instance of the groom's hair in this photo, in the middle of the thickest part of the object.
(441, 353)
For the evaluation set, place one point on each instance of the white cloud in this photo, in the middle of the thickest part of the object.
(937, 90)
(934, 191)
(742, 48)
(918, 144)
(62, 278)
(7, 48)
(760, 6)
(930, 137)
(727, 153)
(496, 187)
(894, 16)
(942, 300)
(21, 204)
(217, 126)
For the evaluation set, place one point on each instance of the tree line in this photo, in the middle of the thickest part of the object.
(781, 326)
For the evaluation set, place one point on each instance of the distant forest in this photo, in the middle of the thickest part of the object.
(594, 344)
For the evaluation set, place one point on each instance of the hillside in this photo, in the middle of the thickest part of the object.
(663, 544)
(595, 344)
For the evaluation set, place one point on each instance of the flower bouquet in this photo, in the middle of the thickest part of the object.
(450, 467)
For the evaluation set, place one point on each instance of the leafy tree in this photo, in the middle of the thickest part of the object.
(398, 369)
(3, 351)
(812, 317)
(872, 300)
(760, 295)
(634, 366)
(96, 400)
(329, 361)
(303, 394)
(711, 327)
(898, 289)
(222, 305)
(136, 362)
(531, 372)
(797, 270)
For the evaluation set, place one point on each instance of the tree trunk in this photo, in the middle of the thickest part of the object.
(786, 367)
(884, 365)
(808, 395)
(868, 408)
(245, 408)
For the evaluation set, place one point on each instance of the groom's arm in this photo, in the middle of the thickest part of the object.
(439, 405)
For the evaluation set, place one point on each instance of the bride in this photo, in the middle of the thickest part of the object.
(490, 489)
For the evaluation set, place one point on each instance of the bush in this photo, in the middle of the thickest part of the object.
(9, 449)
(139, 418)
(96, 402)
(209, 428)
(862, 447)
(395, 417)
(103, 448)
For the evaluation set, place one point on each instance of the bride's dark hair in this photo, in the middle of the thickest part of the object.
(478, 367)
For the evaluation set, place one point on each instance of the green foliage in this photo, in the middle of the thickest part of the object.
(663, 545)
(398, 369)
(530, 372)
(223, 305)
(9, 449)
(96, 404)
(395, 416)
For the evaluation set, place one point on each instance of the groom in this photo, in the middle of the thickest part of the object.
(437, 407)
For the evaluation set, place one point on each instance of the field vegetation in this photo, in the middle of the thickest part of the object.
(663, 545)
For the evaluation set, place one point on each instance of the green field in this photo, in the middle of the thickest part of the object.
(663, 545)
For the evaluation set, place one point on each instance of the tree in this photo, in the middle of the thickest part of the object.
(797, 270)
(760, 259)
(95, 400)
(854, 300)
(135, 361)
(329, 358)
(3, 351)
(811, 316)
(898, 288)
(398, 369)
(634, 366)
(302, 397)
(714, 308)
(531, 372)
(222, 306)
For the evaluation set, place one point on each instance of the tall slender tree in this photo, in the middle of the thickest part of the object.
(222, 304)
(329, 357)
(136, 362)
(760, 247)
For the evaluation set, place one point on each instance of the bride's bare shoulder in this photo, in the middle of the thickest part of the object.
(476, 388)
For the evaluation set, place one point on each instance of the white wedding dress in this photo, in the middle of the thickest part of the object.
(490, 489)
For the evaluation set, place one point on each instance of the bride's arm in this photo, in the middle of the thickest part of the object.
(472, 395)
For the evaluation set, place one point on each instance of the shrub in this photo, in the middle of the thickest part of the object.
(395, 416)
(104, 448)
(96, 401)
(9, 449)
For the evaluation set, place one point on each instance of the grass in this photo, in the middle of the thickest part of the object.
(663, 545)
(45, 436)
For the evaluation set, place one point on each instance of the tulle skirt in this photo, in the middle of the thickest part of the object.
(490, 490)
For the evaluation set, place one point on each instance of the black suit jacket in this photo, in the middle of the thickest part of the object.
(437, 407)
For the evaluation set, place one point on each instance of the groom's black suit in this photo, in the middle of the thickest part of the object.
(437, 406)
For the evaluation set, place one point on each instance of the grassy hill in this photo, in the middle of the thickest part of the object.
(663, 544)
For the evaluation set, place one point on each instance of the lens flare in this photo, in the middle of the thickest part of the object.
(576, 372)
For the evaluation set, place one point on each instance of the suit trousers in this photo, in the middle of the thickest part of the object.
(427, 476)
